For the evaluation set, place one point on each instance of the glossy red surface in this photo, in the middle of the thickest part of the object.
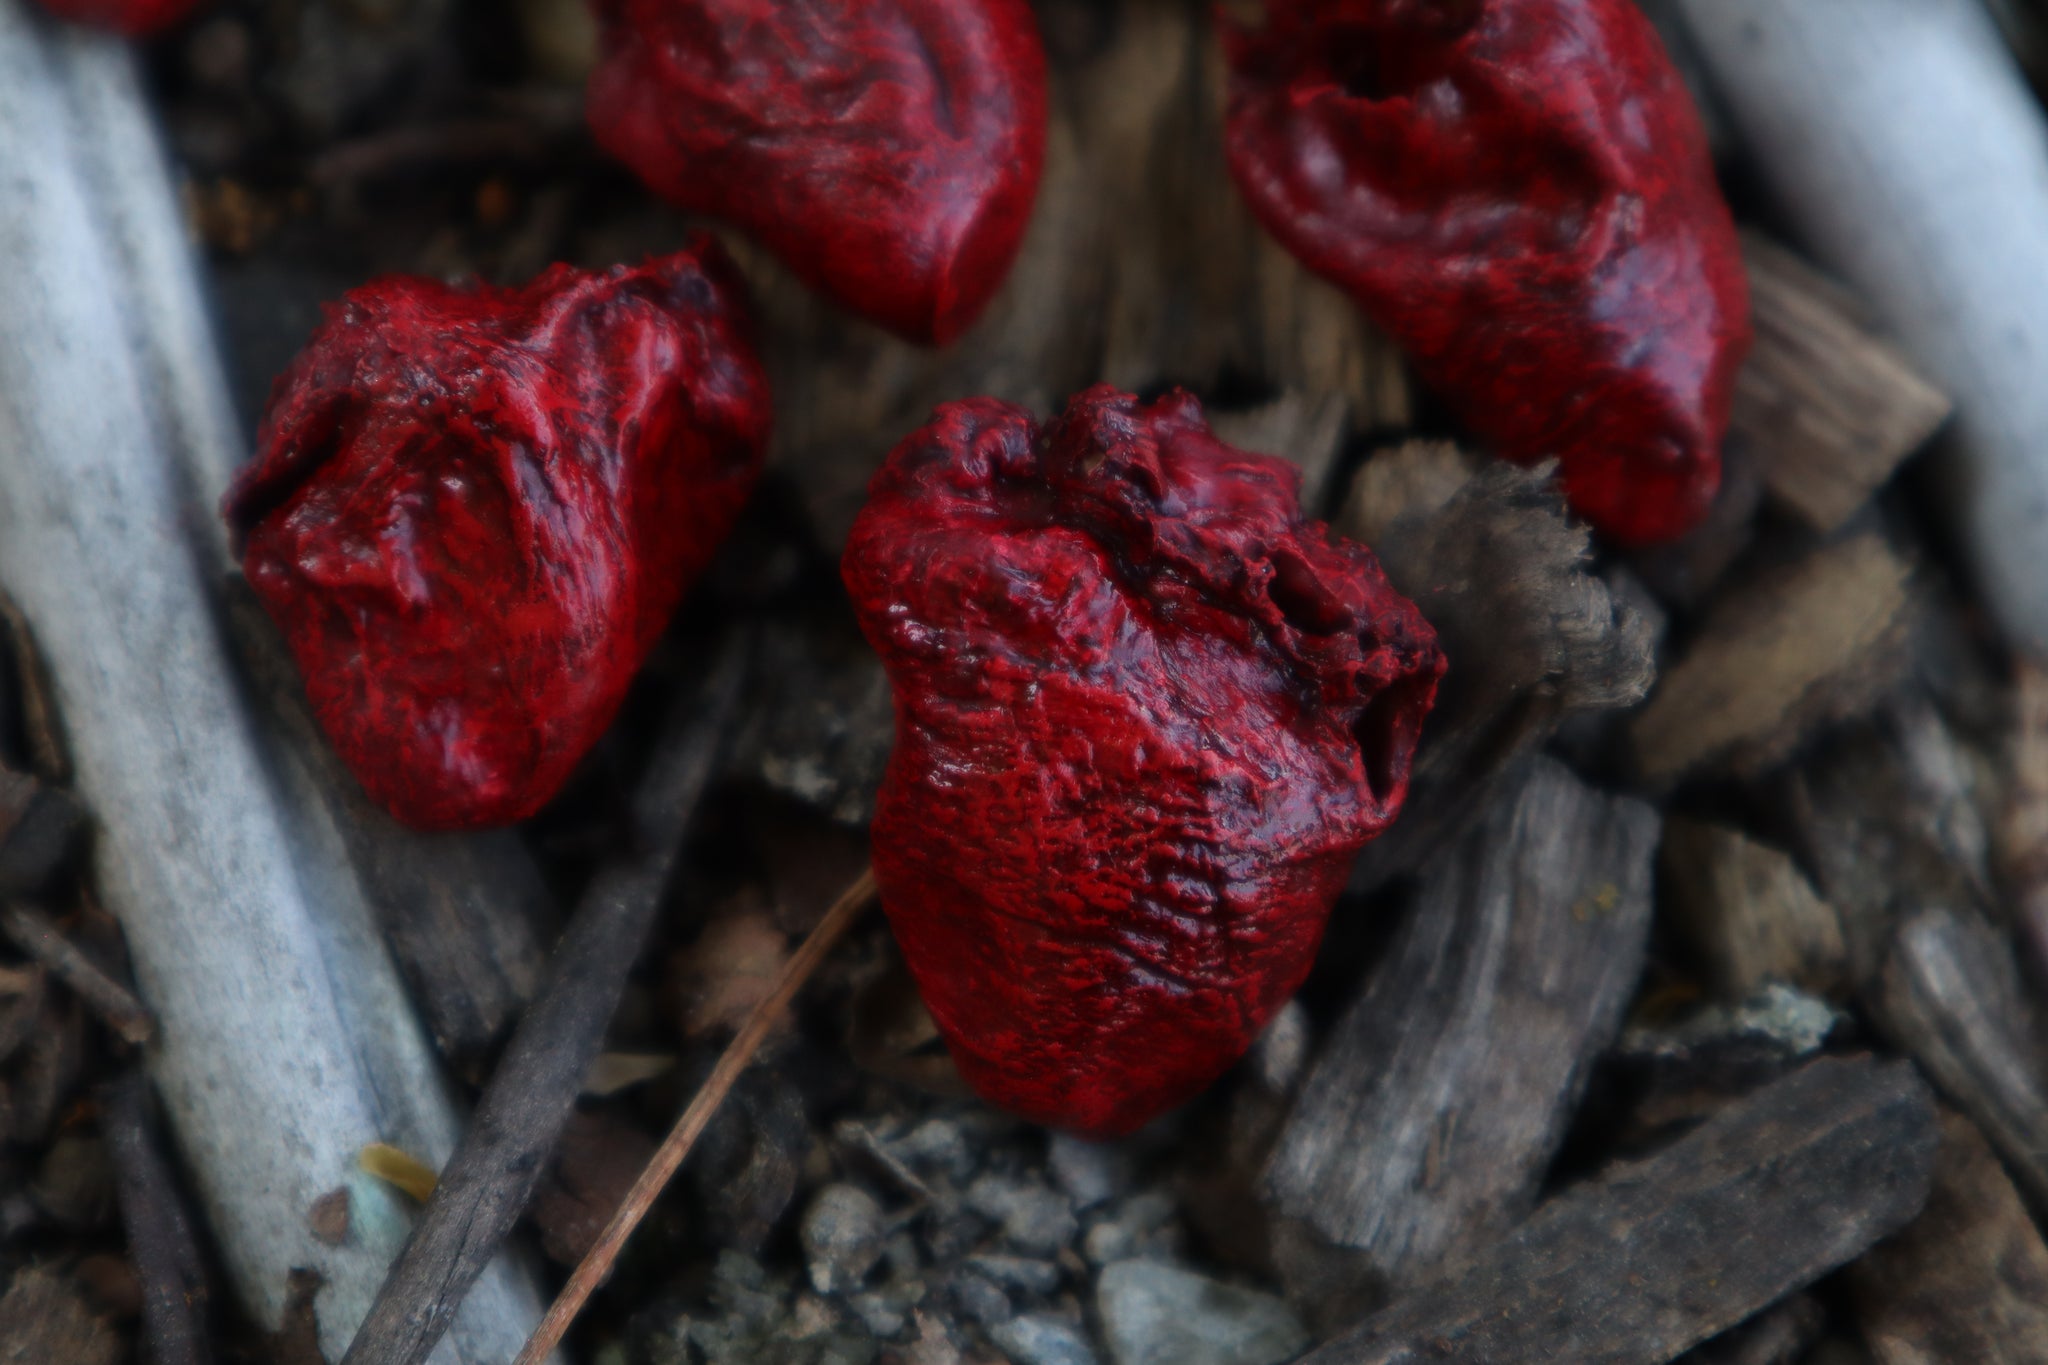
(131, 18)
(887, 150)
(473, 510)
(1519, 191)
(1146, 716)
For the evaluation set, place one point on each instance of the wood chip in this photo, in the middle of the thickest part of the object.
(1427, 1123)
(1951, 996)
(1965, 1281)
(1532, 636)
(1815, 642)
(1749, 912)
(1828, 408)
(1655, 1256)
(2022, 832)
(1885, 815)
(599, 1158)
(731, 967)
(44, 1319)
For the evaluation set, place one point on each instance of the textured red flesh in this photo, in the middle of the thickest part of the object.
(130, 18)
(1519, 191)
(887, 150)
(473, 510)
(1146, 716)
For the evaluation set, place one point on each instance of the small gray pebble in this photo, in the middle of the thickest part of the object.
(883, 1313)
(937, 1146)
(1090, 1172)
(1034, 1219)
(980, 1299)
(842, 1237)
(1018, 1274)
(1154, 1314)
(1043, 1339)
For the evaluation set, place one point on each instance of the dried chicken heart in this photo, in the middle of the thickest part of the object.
(887, 150)
(473, 510)
(1521, 193)
(130, 18)
(1146, 716)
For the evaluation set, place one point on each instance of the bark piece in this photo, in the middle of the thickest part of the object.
(1951, 996)
(1532, 636)
(44, 1318)
(1814, 642)
(1441, 1095)
(1655, 1256)
(1967, 1279)
(1829, 408)
(1749, 912)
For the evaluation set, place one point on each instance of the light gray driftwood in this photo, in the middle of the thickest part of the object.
(1655, 1256)
(286, 1041)
(1427, 1123)
(1910, 155)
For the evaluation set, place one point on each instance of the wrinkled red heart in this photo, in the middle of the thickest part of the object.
(888, 151)
(1146, 717)
(1520, 192)
(473, 510)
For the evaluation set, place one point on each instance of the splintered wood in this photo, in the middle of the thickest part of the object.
(1655, 1256)
(1828, 408)
(1459, 1066)
(1532, 634)
(1819, 640)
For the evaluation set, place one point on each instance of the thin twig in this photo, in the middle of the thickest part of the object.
(36, 934)
(160, 1239)
(487, 1183)
(597, 1264)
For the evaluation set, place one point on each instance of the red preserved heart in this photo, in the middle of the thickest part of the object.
(888, 151)
(1146, 717)
(130, 18)
(473, 510)
(1519, 191)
